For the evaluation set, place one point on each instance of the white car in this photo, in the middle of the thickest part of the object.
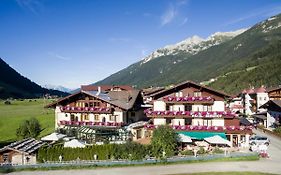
(259, 140)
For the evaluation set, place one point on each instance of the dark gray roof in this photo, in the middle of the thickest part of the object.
(28, 146)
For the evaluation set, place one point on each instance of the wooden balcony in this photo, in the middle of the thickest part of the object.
(189, 114)
(227, 129)
(86, 110)
(189, 100)
(90, 123)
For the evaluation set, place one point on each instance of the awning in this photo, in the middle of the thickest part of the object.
(217, 140)
(53, 137)
(74, 144)
(184, 138)
(202, 135)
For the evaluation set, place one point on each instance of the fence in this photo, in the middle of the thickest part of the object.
(79, 163)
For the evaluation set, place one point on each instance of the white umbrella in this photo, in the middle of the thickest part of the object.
(217, 140)
(53, 137)
(74, 144)
(184, 138)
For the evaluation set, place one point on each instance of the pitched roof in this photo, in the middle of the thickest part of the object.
(105, 88)
(270, 103)
(273, 89)
(27, 146)
(123, 99)
(193, 83)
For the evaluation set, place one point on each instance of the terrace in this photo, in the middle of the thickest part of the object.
(86, 109)
(190, 114)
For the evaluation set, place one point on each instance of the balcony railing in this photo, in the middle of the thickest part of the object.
(206, 128)
(86, 109)
(193, 114)
(188, 99)
(90, 123)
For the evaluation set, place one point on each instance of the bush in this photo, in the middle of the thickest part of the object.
(29, 128)
(277, 130)
(164, 139)
(7, 102)
(129, 151)
(218, 151)
(201, 151)
(187, 152)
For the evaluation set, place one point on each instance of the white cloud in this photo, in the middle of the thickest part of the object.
(266, 12)
(58, 56)
(33, 5)
(168, 15)
(174, 12)
(184, 21)
(121, 39)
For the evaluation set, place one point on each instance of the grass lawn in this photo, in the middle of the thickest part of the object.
(12, 115)
(227, 173)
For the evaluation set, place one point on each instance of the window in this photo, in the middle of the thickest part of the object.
(167, 107)
(86, 116)
(96, 103)
(112, 117)
(207, 108)
(188, 107)
(97, 117)
(197, 94)
(177, 94)
(91, 104)
(180, 94)
(207, 122)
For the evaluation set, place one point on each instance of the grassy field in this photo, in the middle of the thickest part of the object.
(12, 115)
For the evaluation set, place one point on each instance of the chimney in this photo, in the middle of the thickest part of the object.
(99, 90)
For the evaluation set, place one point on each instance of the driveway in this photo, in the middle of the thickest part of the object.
(270, 165)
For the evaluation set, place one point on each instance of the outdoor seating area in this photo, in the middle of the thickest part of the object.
(90, 123)
(207, 114)
(205, 128)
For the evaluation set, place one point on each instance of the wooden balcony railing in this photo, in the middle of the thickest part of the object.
(90, 123)
(205, 128)
(190, 114)
(86, 109)
(173, 99)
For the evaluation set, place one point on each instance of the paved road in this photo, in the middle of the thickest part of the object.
(270, 165)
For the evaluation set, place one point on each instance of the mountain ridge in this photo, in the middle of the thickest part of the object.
(14, 85)
(209, 63)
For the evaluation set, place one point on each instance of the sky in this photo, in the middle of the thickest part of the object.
(78, 42)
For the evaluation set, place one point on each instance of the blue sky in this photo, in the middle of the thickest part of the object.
(74, 42)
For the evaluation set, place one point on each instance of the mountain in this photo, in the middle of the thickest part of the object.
(247, 58)
(59, 88)
(14, 85)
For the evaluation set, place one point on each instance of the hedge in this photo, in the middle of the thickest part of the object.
(130, 150)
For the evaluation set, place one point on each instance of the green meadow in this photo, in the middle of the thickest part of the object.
(12, 115)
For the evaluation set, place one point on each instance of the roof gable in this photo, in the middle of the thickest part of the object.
(187, 84)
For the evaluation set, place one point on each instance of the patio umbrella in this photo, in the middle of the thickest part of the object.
(53, 137)
(217, 140)
(74, 144)
(185, 139)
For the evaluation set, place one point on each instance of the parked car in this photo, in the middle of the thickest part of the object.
(259, 140)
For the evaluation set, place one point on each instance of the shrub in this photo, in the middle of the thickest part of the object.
(164, 139)
(7, 102)
(187, 152)
(129, 150)
(218, 151)
(201, 151)
(277, 130)
(29, 128)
